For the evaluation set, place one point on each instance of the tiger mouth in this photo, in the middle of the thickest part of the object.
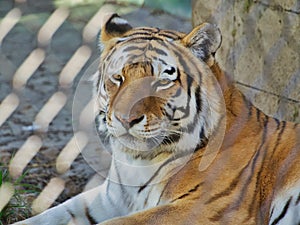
(138, 143)
(147, 143)
(155, 135)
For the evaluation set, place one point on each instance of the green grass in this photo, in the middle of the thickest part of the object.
(247, 6)
(295, 114)
(17, 208)
(175, 7)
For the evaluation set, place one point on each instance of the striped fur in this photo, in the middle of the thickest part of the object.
(162, 100)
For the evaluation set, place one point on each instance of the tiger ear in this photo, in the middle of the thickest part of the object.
(204, 40)
(113, 26)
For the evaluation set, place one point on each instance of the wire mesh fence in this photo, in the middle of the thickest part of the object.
(44, 52)
(29, 106)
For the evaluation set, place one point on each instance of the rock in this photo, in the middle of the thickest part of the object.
(260, 49)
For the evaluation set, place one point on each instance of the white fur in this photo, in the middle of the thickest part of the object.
(292, 217)
(118, 20)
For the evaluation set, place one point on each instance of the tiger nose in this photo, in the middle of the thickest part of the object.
(129, 122)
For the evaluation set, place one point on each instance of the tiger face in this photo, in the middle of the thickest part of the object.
(152, 95)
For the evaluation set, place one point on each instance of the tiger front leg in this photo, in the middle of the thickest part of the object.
(90, 207)
(170, 214)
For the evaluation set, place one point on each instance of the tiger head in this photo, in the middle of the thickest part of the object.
(155, 88)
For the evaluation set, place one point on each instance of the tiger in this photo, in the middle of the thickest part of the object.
(187, 146)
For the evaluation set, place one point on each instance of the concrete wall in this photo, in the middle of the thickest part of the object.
(260, 49)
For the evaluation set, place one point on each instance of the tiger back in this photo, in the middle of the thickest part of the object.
(187, 146)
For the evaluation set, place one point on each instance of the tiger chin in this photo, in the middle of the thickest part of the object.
(163, 104)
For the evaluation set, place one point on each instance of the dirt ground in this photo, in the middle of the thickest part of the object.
(14, 49)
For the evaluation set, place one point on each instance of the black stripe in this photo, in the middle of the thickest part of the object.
(179, 76)
(189, 81)
(171, 139)
(188, 192)
(235, 181)
(119, 180)
(283, 124)
(152, 69)
(183, 61)
(185, 111)
(139, 39)
(191, 126)
(232, 206)
(148, 195)
(163, 191)
(177, 94)
(167, 184)
(131, 59)
(277, 122)
(283, 212)
(146, 199)
(110, 54)
(71, 214)
(157, 50)
(89, 216)
(148, 29)
(162, 43)
(298, 199)
(249, 106)
(137, 33)
(272, 211)
(203, 140)
(163, 61)
(189, 75)
(198, 99)
(170, 34)
(98, 82)
(230, 188)
(133, 48)
(107, 194)
(257, 188)
(258, 177)
(258, 112)
(182, 154)
(170, 117)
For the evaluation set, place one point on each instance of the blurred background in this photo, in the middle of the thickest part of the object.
(47, 46)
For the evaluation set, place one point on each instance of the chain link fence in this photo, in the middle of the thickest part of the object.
(45, 50)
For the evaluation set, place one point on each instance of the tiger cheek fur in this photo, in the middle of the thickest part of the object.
(163, 101)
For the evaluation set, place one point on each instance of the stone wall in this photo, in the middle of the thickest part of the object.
(260, 49)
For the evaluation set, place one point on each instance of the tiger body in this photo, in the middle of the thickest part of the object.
(163, 104)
